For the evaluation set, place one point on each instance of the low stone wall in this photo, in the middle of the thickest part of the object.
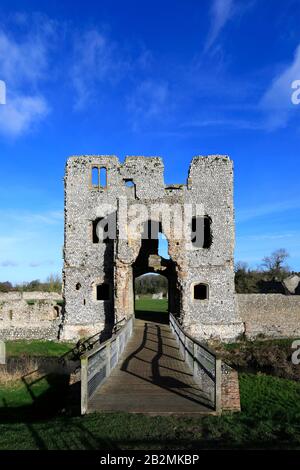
(37, 315)
(30, 315)
(270, 315)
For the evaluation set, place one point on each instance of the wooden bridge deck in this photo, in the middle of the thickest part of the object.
(151, 377)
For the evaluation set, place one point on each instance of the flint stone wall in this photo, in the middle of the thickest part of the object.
(38, 315)
(30, 315)
(270, 315)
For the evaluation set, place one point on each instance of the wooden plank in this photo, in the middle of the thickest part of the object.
(151, 377)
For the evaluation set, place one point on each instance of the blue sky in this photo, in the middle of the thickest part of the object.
(169, 78)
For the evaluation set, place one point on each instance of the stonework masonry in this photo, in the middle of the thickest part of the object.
(99, 276)
(30, 315)
(38, 315)
(270, 315)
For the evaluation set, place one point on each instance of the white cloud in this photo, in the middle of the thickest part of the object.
(37, 264)
(276, 102)
(96, 61)
(221, 12)
(23, 65)
(148, 101)
(268, 236)
(30, 240)
(51, 217)
(21, 113)
(8, 263)
(24, 61)
(224, 123)
(243, 215)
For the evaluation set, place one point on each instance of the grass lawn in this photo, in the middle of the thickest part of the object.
(32, 397)
(37, 348)
(151, 305)
(270, 418)
(33, 415)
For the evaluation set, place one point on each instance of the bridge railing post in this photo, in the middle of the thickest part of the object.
(194, 360)
(84, 385)
(108, 357)
(118, 347)
(218, 386)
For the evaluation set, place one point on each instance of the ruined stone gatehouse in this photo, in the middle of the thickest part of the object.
(114, 215)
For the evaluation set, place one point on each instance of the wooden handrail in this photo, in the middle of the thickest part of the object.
(109, 340)
(94, 373)
(216, 377)
(199, 343)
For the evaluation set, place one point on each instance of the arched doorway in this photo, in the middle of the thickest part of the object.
(153, 259)
(151, 298)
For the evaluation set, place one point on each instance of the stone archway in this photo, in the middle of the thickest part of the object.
(149, 260)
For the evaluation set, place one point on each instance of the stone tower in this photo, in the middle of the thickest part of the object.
(114, 215)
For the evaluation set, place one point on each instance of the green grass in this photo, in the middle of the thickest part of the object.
(37, 348)
(32, 397)
(151, 305)
(270, 418)
(259, 343)
(33, 414)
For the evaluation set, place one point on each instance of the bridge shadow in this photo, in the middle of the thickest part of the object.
(156, 317)
(155, 334)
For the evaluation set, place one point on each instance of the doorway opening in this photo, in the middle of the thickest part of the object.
(155, 282)
(151, 298)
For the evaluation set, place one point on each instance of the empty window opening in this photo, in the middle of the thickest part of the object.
(103, 177)
(78, 286)
(100, 230)
(201, 232)
(104, 229)
(130, 188)
(129, 183)
(200, 291)
(83, 301)
(102, 292)
(163, 246)
(56, 309)
(95, 176)
(99, 177)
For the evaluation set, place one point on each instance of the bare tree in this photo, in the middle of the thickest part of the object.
(275, 263)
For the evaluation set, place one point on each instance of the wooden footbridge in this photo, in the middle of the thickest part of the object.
(153, 368)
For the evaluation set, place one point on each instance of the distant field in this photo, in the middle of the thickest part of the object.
(151, 305)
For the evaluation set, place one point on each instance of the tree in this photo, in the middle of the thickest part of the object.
(151, 284)
(275, 265)
(246, 280)
(5, 286)
(54, 283)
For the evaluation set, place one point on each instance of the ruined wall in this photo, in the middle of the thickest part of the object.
(30, 315)
(89, 264)
(86, 264)
(38, 315)
(210, 183)
(270, 315)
